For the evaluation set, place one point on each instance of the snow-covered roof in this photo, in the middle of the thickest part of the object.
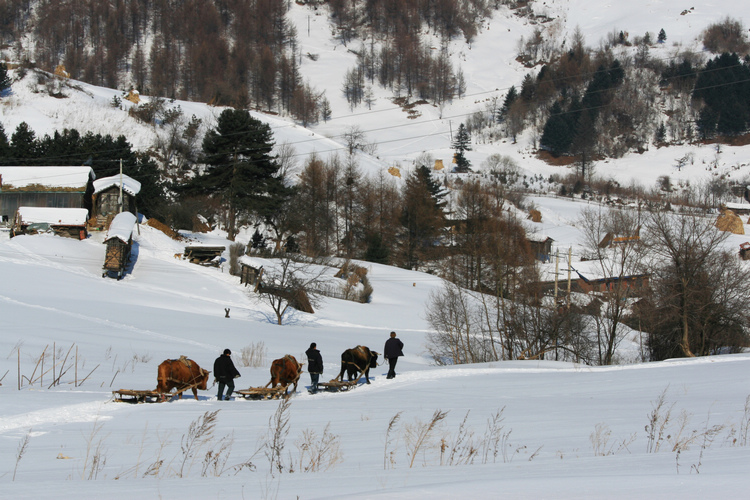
(65, 177)
(738, 206)
(538, 237)
(129, 185)
(121, 227)
(54, 216)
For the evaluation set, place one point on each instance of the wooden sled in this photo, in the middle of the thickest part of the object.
(131, 396)
(134, 396)
(337, 385)
(256, 393)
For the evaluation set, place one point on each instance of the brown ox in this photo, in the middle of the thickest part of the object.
(181, 374)
(285, 371)
(357, 360)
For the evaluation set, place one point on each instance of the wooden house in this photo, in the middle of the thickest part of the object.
(68, 222)
(44, 187)
(111, 196)
(588, 277)
(594, 279)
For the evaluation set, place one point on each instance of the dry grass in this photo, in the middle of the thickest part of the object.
(254, 355)
(419, 435)
(20, 451)
(164, 229)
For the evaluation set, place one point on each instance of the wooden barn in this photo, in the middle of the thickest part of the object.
(111, 196)
(44, 187)
(68, 222)
(587, 277)
(593, 279)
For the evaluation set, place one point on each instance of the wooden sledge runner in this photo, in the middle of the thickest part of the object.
(256, 393)
(135, 396)
(338, 385)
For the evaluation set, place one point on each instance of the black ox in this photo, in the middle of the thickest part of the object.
(357, 360)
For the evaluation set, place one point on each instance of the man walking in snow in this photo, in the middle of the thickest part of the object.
(225, 373)
(391, 352)
(314, 366)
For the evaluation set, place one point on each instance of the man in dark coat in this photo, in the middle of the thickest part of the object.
(314, 366)
(225, 373)
(391, 352)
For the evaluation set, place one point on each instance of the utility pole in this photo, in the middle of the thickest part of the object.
(570, 255)
(557, 268)
(120, 185)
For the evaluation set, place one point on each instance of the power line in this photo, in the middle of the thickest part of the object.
(423, 122)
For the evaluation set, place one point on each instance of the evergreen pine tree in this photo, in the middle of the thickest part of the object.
(377, 251)
(4, 147)
(4, 78)
(510, 98)
(661, 134)
(257, 240)
(241, 169)
(662, 36)
(462, 143)
(422, 217)
(23, 145)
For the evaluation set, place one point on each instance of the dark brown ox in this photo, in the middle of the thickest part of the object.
(181, 374)
(285, 371)
(358, 360)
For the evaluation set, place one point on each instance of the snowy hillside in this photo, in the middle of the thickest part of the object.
(489, 66)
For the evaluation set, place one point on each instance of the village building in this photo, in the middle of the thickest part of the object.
(111, 196)
(44, 187)
(68, 222)
(588, 277)
(541, 246)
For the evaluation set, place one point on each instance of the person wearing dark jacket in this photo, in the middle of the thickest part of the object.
(391, 352)
(314, 366)
(225, 373)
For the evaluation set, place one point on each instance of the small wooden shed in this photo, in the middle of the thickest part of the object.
(541, 246)
(204, 255)
(111, 196)
(67, 222)
(119, 243)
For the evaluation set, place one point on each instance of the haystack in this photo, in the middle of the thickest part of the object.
(438, 165)
(729, 221)
(394, 171)
(535, 215)
(133, 96)
(61, 72)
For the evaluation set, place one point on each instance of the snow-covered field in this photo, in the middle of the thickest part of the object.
(563, 430)
(52, 295)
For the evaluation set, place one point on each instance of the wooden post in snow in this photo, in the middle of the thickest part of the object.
(570, 255)
(557, 268)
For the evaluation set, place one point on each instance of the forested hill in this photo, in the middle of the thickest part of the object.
(257, 54)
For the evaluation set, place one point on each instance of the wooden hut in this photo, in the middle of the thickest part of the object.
(541, 246)
(119, 243)
(112, 195)
(68, 222)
